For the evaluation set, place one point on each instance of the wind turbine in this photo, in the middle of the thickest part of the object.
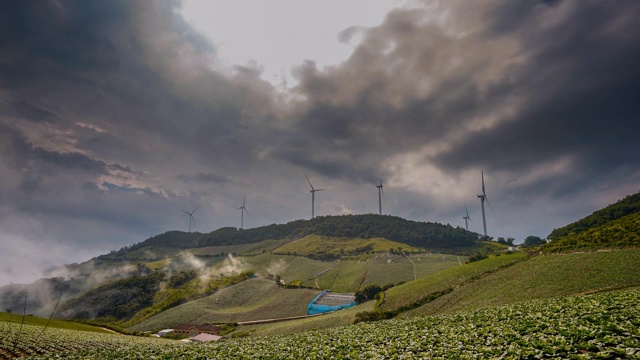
(313, 196)
(191, 220)
(380, 195)
(243, 209)
(483, 197)
(466, 218)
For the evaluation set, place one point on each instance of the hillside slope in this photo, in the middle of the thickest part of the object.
(542, 277)
(253, 299)
(628, 205)
(618, 233)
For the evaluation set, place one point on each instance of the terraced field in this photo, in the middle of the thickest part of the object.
(604, 325)
(254, 299)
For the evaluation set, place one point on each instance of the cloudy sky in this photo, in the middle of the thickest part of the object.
(115, 115)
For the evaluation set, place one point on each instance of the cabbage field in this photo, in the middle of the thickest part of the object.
(605, 325)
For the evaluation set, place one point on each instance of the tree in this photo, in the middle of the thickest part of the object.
(532, 241)
(367, 293)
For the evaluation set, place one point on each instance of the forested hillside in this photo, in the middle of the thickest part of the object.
(615, 226)
(419, 234)
(624, 207)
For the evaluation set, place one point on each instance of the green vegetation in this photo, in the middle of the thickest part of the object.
(627, 206)
(413, 291)
(120, 299)
(416, 234)
(618, 233)
(58, 324)
(343, 317)
(325, 247)
(603, 326)
(253, 299)
(130, 300)
(541, 277)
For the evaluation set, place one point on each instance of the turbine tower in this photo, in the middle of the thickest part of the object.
(380, 195)
(191, 220)
(483, 197)
(466, 218)
(243, 209)
(313, 196)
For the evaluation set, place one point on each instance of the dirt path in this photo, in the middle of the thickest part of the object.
(414, 266)
(109, 330)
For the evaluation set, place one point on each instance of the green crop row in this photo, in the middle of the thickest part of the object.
(604, 325)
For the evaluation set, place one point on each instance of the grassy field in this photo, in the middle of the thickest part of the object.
(410, 292)
(339, 318)
(253, 299)
(59, 324)
(289, 267)
(316, 244)
(542, 277)
(603, 326)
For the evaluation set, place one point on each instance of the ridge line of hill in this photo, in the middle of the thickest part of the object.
(414, 233)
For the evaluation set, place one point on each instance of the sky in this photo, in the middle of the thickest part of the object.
(117, 115)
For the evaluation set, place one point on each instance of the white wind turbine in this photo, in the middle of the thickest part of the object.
(243, 209)
(466, 218)
(483, 197)
(313, 196)
(380, 195)
(191, 220)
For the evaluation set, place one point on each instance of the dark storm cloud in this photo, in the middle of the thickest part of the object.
(581, 81)
(67, 37)
(558, 79)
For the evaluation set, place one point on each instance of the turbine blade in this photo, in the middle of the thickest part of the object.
(186, 212)
(245, 210)
(483, 192)
(309, 182)
(488, 203)
(382, 189)
(194, 210)
(320, 189)
(244, 200)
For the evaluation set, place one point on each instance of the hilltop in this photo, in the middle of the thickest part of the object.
(426, 235)
(615, 226)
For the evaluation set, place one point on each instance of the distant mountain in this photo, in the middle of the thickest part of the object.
(417, 234)
(615, 226)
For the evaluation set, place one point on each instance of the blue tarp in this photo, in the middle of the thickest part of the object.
(314, 308)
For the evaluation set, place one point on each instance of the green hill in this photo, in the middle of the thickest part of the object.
(618, 233)
(627, 206)
(416, 234)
